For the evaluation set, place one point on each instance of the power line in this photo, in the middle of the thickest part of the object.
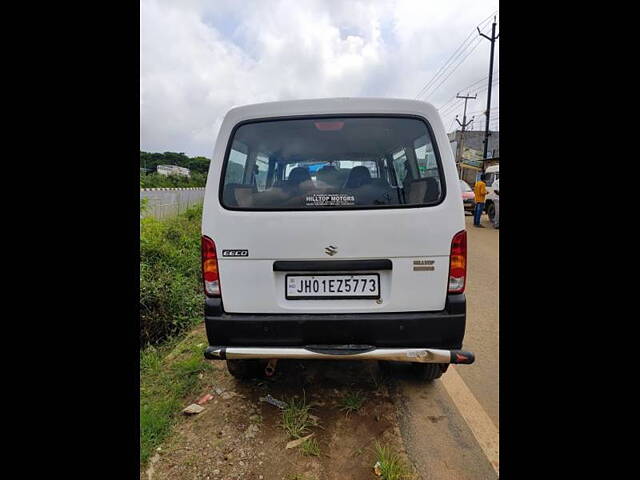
(452, 108)
(476, 82)
(454, 69)
(449, 110)
(446, 115)
(482, 111)
(445, 111)
(468, 87)
(425, 91)
(453, 57)
(444, 105)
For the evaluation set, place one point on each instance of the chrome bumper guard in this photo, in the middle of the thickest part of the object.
(342, 352)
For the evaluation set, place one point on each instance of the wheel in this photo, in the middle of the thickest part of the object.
(491, 212)
(429, 371)
(244, 369)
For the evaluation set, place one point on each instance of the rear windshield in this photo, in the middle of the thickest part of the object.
(331, 163)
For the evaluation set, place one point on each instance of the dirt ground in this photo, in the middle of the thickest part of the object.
(238, 436)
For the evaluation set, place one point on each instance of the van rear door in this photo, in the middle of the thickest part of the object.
(342, 214)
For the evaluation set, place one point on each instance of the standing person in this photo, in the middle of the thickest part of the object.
(480, 191)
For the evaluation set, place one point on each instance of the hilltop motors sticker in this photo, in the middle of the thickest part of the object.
(330, 200)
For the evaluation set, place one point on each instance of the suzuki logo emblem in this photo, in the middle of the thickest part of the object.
(331, 250)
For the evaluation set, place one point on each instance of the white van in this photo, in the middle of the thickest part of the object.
(334, 229)
(492, 175)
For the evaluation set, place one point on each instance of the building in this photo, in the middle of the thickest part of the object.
(469, 157)
(173, 170)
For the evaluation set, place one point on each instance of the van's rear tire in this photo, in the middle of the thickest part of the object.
(429, 371)
(244, 369)
(422, 371)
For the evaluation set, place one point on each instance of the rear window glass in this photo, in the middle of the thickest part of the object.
(331, 163)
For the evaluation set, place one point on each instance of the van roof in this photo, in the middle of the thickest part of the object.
(331, 106)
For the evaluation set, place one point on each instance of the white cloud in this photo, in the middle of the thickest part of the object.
(199, 58)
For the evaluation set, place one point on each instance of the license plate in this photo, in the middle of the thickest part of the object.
(326, 287)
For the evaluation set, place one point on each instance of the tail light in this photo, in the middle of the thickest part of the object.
(210, 273)
(458, 263)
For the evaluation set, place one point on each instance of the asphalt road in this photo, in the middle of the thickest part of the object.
(450, 427)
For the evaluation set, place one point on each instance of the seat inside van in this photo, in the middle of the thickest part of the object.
(423, 190)
(238, 194)
(329, 176)
(297, 176)
(358, 177)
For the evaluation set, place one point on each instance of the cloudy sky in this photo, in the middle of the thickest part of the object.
(199, 58)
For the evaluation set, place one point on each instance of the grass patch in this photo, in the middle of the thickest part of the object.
(170, 278)
(381, 378)
(168, 376)
(296, 418)
(310, 447)
(352, 402)
(256, 418)
(391, 465)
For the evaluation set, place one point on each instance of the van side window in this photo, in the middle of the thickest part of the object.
(235, 167)
(425, 157)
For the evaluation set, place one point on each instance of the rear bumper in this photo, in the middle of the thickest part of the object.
(432, 330)
(342, 352)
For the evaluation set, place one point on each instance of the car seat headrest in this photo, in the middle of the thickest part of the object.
(298, 175)
(358, 177)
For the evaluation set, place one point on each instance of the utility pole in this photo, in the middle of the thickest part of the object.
(464, 125)
(493, 39)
